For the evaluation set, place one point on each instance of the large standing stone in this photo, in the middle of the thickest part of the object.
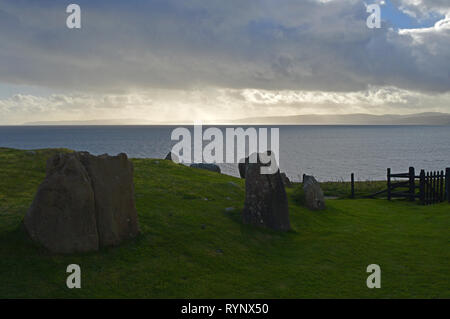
(112, 182)
(265, 198)
(314, 198)
(62, 216)
(84, 203)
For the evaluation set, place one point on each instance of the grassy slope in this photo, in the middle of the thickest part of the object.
(325, 255)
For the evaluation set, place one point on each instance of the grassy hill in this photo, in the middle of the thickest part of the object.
(192, 246)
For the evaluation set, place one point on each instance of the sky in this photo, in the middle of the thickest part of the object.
(216, 60)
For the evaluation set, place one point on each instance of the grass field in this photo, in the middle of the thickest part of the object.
(192, 246)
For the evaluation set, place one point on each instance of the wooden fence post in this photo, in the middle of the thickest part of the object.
(389, 184)
(441, 187)
(429, 187)
(436, 180)
(438, 190)
(433, 197)
(353, 185)
(447, 183)
(412, 184)
(436, 187)
(422, 187)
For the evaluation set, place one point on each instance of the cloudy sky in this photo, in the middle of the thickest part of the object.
(209, 60)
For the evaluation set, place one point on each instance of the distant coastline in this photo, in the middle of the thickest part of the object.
(430, 118)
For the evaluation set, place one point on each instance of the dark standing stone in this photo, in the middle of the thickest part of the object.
(112, 182)
(172, 157)
(285, 180)
(242, 166)
(85, 202)
(62, 216)
(209, 167)
(265, 198)
(314, 198)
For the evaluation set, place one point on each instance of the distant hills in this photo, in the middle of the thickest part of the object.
(95, 122)
(430, 118)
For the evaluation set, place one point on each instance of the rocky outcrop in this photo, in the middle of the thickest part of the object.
(314, 198)
(209, 167)
(85, 202)
(265, 198)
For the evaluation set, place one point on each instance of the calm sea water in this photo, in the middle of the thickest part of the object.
(327, 152)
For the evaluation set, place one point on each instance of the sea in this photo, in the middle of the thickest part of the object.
(330, 153)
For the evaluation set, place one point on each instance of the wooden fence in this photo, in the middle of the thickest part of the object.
(431, 188)
(434, 187)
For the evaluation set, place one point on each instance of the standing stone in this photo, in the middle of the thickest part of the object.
(286, 180)
(314, 198)
(242, 166)
(62, 216)
(84, 203)
(266, 202)
(112, 182)
(172, 157)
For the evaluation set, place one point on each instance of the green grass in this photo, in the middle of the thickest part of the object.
(324, 256)
(343, 189)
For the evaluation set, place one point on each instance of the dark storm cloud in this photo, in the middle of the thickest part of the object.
(283, 44)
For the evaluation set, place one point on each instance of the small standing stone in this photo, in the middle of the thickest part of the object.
(172, 157)
(314, 198)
